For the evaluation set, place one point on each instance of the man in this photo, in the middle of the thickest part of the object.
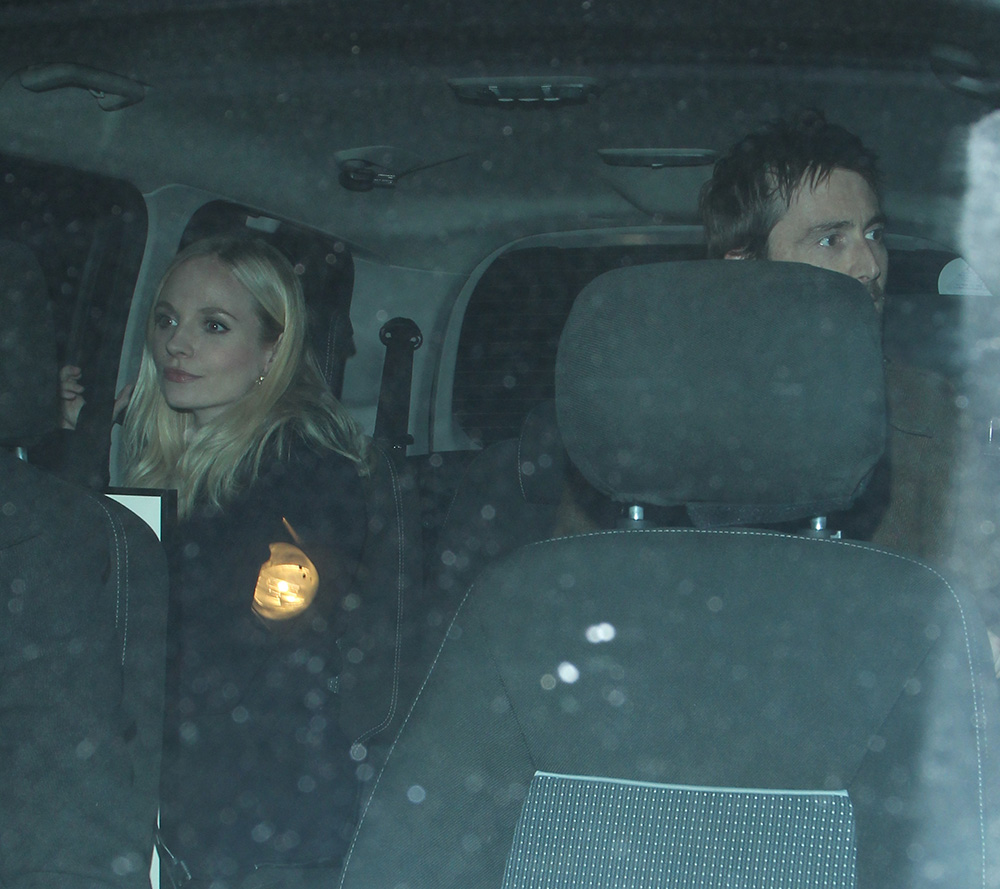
(806, 190)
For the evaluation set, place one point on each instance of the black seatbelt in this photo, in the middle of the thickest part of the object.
(401, 338)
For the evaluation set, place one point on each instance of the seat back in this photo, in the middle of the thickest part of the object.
(376, 682)
(82, 653)
(509, 495)
(382, 650)
(82, 639)
(791, 693)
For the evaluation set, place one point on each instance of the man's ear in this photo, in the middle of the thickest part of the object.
(736, 254)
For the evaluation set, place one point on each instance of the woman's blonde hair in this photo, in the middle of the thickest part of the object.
(213, 464)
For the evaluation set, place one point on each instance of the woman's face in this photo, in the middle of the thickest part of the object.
(206, 339)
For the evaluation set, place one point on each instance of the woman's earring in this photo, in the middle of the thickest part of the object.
(260, 380)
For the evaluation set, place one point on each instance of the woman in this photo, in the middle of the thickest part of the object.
(230, 409)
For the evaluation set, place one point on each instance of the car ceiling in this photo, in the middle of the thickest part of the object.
(261, 103)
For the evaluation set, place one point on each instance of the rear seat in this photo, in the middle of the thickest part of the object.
(380, 649)
(516, 491)
(508, 496)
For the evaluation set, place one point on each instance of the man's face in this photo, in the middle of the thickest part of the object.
(835, 225)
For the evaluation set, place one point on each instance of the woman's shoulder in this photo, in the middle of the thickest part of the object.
(301, 468)
(316, 491)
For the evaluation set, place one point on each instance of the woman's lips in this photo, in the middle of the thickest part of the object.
(173, 375)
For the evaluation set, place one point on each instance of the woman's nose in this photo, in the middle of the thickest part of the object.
(178, 343)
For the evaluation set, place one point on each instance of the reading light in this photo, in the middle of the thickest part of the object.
(286, 584)
(524, 90)
(657, 158)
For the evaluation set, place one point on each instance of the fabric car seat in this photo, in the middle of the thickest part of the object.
(83, 591)
(689, 707)
(380, 649)
(509, 495)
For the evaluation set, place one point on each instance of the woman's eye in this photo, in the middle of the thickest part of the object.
(214, 326)
(163, 321)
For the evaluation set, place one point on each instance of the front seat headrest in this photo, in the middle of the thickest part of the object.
(751, 390)
(29, 376)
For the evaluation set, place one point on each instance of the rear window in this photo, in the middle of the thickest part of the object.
(507, 350)
(506, 354)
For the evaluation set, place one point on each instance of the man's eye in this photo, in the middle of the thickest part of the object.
(876, 234)
(829, 241)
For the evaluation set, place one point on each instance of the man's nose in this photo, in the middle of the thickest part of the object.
(864, 263)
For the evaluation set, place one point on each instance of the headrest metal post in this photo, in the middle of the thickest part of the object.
(634, 517)
(818, 528)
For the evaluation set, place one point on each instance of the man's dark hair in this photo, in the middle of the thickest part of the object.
(752, 186)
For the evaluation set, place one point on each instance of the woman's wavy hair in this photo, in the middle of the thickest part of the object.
(211, 465)
(752, 187)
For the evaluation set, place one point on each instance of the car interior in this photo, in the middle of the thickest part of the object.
(565, 672)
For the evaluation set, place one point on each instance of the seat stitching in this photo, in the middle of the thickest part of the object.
(979, 705)
(121, 570)
(400, 586)
(392, 747)
(517, 469)
(466, 472)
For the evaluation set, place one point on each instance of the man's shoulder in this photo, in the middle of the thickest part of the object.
(921, 401)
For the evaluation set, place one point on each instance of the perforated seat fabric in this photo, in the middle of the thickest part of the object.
(580, 831)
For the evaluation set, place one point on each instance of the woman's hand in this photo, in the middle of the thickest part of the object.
(71, 393)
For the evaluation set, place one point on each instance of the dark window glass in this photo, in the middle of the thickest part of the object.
(88, 234)
(506, 353)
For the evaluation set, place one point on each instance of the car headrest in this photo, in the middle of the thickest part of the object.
(749, 391)
(542, 464)
(29, 377)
